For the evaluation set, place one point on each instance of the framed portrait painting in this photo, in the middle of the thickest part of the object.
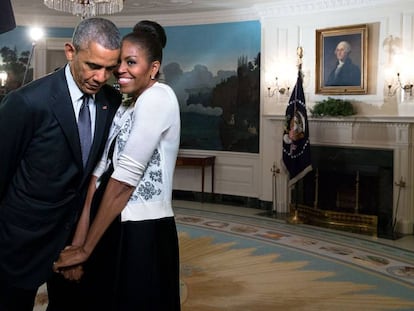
(341, 60)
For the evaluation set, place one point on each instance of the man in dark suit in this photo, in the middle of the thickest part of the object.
(345, 73)
(43, 180)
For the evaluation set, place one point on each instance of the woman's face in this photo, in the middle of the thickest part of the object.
(134, 71)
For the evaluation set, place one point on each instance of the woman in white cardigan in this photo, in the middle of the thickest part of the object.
(132, 186)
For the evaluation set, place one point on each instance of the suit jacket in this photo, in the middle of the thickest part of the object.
(42, 180)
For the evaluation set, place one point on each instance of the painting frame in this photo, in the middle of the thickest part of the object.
(327, 41)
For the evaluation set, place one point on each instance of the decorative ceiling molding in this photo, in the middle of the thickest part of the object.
(184, 19)
(300, 7)
(188, 12)
(177, 19)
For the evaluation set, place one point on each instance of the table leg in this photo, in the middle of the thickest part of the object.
(212, 178)
(202, 183)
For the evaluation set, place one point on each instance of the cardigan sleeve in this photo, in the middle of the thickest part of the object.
(152, 117)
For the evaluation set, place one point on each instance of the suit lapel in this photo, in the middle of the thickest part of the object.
(62, 107)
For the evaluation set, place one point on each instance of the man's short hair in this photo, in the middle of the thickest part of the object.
(99, 30)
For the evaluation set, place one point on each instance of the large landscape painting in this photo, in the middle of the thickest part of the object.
(215, 72)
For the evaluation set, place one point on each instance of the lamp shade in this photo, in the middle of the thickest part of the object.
(7, 21)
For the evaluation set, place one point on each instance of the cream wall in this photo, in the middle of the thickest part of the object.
(285, 25)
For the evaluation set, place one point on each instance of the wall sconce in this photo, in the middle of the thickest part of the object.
(407, 88)
(3, 78)
(277, 90)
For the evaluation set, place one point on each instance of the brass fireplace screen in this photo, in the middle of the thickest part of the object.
(349, 189)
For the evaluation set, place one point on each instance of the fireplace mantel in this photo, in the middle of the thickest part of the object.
(376, 132)
(379, 119)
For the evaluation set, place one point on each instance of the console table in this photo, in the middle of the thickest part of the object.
(199, 161)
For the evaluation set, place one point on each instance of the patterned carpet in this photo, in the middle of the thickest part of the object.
(242, 263)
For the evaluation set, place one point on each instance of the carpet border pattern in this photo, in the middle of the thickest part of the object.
(388, 261)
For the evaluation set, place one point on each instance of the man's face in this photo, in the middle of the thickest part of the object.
(340, 52)
(91, 67)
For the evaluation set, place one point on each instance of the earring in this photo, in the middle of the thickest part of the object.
(152, 78)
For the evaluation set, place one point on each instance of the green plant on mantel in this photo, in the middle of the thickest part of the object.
(332, 107)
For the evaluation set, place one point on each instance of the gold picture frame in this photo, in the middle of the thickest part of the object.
(350, 45)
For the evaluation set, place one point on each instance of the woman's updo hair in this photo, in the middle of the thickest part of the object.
(152, 28)
(149, 36)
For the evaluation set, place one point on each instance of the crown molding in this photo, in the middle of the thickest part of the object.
(283, 8)
(47, 20)
(182, 19)
(301, 7)
(211, 17)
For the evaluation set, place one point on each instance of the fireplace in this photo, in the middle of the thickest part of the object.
(379, 150)
(352, 187)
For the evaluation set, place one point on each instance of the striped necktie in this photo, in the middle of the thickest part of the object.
(84, 126)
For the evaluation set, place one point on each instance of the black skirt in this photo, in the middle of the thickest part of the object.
(149, 266)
